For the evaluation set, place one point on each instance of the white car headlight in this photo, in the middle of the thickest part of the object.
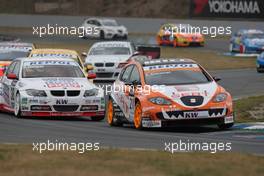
(220, 97)
(91, 92)
(36, 93)
(159, 101)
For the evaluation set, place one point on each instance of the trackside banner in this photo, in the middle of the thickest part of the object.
(227, 8)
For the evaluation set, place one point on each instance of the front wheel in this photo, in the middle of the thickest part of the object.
(110, 114)
(102, 35)
(138, 116)
(17, 109)
(225, 126)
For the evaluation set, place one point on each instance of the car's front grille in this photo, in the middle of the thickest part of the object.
(66, 108)
(73, 93)
(104, 75)
(98, 64)
(109, 64)
(192, 100)
(57, 93)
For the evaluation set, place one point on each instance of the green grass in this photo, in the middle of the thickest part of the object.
(21, 160)
(243, 106)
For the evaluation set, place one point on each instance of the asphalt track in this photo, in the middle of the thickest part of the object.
(238, 82)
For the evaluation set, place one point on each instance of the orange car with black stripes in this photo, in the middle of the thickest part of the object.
(167, 93)
(179, 35)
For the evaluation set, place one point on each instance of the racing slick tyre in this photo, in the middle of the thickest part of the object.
(17, 110)
(112, 109)
(231, 48)
(225, 126)
(102, 35)
(242, 49)
(125, 37)
(159, 40)
(259, 70)
(175, 41)
(97, 118)
(138, 116)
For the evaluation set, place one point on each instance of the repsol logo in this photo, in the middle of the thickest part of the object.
(61, 102)
(229, 6)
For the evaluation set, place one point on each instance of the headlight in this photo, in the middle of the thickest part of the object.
(159, 101)
(220, 97)
(36, 93)
(91, 92)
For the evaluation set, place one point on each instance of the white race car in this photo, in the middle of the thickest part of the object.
(108, 58)
(104, 29)
(50, 87)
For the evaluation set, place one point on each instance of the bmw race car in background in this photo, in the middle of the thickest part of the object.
(177, 35)
(104, 29)
(260, 63)
(168, 92)
(50, 87)
(107, 58)
(12, 50)
(60, 53)
(247, 41)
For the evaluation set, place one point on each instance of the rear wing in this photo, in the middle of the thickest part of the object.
(152, 51)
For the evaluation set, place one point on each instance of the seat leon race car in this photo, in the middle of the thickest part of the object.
(167, 93)
(178, 35)
(49, 87)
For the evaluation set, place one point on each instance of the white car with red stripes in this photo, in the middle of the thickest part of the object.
(50, 87)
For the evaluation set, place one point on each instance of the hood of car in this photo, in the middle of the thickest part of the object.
(56, 84)
(107, 58)
(190, 95)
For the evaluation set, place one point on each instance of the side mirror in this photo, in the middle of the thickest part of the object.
(12, 76)
(91, 75)
(84, 54)
(216, 79)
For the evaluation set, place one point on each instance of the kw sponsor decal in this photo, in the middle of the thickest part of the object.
(61, 102)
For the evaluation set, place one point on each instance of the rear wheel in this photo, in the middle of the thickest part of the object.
(138, 116)
(159, 40)
(175, 41)
(231, 47)
(110, 114)
(242, 49)
(17, 109)
(102, 35)
(225, 126)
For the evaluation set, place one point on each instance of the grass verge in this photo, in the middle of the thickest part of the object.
(249, 109)
(21, 160)
(209, 59)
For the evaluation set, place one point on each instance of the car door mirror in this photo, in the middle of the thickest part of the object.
(217, 79)
(12, 76)
(84, 54)
(91, 75)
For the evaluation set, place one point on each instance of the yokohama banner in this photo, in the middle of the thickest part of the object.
(227, 8)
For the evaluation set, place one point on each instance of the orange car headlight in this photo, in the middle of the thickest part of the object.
(159, 101)
(220, 97)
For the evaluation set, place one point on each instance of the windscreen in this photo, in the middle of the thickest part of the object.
(175, 74)
(38, 69)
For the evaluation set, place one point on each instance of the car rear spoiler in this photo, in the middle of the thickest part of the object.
(152, 51)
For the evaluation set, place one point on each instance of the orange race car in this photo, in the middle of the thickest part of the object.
(179, 35)
(166, 93)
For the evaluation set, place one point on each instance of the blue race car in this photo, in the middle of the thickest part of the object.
(260, 63)
(247, 41)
